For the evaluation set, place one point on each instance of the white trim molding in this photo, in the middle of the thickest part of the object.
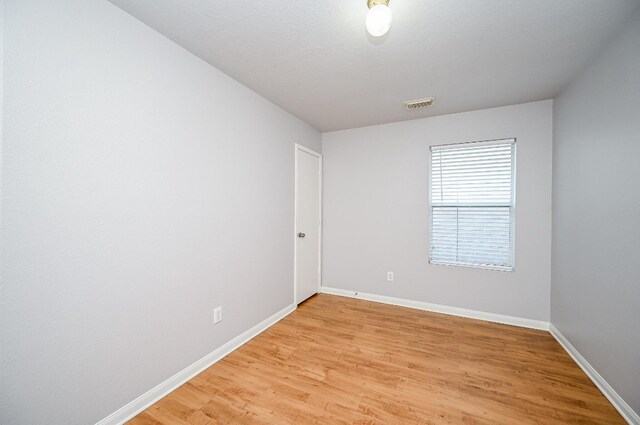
(618, 402)
(443, 309)
(136, 406)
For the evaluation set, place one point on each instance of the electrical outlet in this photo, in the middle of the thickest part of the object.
(217, 315)
(390, 276)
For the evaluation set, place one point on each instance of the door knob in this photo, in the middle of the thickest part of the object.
(301, 235)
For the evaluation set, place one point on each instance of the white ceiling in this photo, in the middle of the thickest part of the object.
(314, 58)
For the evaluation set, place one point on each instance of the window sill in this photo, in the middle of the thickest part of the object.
(474, 266)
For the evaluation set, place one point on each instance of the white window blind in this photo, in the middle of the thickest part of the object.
(473, 204)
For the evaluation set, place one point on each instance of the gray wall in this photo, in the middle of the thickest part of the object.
(595, 289)
(376, 211)
(141, 188)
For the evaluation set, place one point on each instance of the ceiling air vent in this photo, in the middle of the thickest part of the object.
(419, 103)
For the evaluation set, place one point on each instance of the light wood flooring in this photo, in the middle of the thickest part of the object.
(337, 360)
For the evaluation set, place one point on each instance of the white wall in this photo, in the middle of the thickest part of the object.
(376, 215)
(141, 188)
(595, 287)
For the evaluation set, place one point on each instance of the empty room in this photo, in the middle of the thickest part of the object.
(375, 212)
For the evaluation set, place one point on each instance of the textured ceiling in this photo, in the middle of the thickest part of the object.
(314, 58)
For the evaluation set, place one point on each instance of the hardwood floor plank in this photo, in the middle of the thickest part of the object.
(340, 361)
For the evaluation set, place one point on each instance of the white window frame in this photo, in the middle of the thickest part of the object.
(512, 208)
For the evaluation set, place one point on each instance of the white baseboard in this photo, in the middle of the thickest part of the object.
(130, 410)
(625, 410)
(444, 309)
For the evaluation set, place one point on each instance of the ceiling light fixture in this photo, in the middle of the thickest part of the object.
(378, 18)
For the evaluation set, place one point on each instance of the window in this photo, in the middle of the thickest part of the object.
(472, 204)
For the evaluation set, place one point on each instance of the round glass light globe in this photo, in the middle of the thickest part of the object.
(379, 20)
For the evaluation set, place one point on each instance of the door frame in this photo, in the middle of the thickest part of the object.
(298, 147)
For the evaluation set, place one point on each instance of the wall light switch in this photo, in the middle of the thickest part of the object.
(217, 315)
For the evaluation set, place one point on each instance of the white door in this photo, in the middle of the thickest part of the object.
(307, 229)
